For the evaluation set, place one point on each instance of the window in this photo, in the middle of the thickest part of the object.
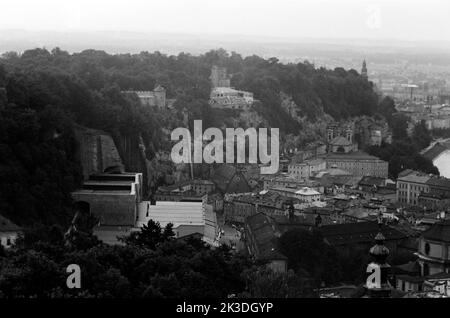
(427, 248)
(8, 241)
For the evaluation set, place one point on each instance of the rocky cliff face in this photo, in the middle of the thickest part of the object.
(290, 107)
(97, 151)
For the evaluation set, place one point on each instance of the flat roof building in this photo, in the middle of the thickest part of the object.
(112, 198)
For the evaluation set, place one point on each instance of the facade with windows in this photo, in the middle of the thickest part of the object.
(358, 164)
(434, 249)
(410, 185)
(433, 273)
(306, 169)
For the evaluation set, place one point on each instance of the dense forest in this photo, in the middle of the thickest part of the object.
(44, 94)
(152, 264)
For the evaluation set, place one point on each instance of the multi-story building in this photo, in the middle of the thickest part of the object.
(230, 98)
(112, 198)
(239, 207)
(440, 186)
(283, 181)
(358, 164)
(187, 218)
(434, 249)
(225, 97)
(432, 268)
(306, 169)
(410, 185)
(438, 196)
(340, 138)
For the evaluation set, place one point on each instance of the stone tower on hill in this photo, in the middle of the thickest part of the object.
(219, 77)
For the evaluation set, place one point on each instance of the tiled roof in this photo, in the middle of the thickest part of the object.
(414, 176)
(439, 231)
(439, 182)
(263, 229)
(361, 232)
(371, 181)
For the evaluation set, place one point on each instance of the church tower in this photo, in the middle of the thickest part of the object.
(364, 70)
(377, 285)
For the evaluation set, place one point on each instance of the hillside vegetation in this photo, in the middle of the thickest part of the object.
(48, 92)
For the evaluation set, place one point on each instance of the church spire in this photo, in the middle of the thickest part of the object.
(364, 70)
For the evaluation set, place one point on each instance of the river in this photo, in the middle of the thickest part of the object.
(442, 162)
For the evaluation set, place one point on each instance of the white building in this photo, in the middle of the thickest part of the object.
(187, 217)
(308, 195)
(305, 194)
(306, 169)
(230, 98)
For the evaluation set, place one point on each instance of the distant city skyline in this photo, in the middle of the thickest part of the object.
(415, 20)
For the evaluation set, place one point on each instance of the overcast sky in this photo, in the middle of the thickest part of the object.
(377, 19)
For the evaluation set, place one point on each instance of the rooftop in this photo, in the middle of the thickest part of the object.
(414, 176)
(263, 228)
(361, 232)
(177, 213)
(356, 155)
(439, 182)
(7, 226)
(440, 231)
(307, 191)
(372, 181)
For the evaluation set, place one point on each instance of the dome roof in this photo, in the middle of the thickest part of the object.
(379, 250)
